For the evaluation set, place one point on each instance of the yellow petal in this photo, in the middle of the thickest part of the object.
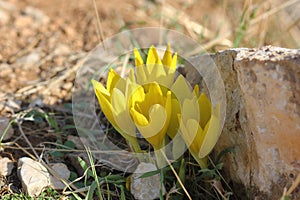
(135, 94)
(196, 90)
(114, 80)
(181, 90)
(152, 57)
(131, 76)
(167, 59)
(152, 60)
(197, 140)
(174, 126)
(155, 92)
(138, 118)
(158, 74)
(121, 113)
(191, 133)
(174, 62)
(168, 107)
(118, 101)
(154, 132)
(205, 109)
(98, 88)
(153, 96)
(138, 58)
(190, 110)
(104, 101)
(211, 133)
(141, 77)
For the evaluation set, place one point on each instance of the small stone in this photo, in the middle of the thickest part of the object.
(23, 21)
(69, 31)
(6, 69)
(62, 170)
(29, 59)
(38, 16)
(6, 166)
(67, 86)
(4, 123)
(14, 105)
(38, 102)
(62, 49)
(33, 175)
(7, 6)
(4, 17)
(148, 187)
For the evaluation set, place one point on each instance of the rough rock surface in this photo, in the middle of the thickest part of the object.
(148, 187)
(62, 171)
(262, 119)
(33, 175)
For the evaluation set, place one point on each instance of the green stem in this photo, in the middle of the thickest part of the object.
(160, 159)
(201, 161)
(133, 142)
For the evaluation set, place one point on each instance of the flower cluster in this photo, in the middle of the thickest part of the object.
(159, 105)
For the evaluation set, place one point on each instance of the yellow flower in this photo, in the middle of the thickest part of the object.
(200, 125)
(112, 100)
(156, 70)
(142, 101)
(151, 103)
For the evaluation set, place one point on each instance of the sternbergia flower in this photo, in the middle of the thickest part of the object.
(157, 104)
(200, 127)
(112, 100)
(151, 104)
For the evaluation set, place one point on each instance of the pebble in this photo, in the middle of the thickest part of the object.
(23, 21)
(7, 6)
(33, 175)
(148, 187)
(5, 69)
(6, 166)
(62, 170)
(39, 16)
(62, 49)
(29, 59)
(4, 17)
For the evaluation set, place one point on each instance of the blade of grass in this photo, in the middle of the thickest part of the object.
(94, 172)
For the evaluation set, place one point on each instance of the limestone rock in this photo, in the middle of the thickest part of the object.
(148, 187)
(33, 175)
(62, 171)
(262, 119)
(6, 166)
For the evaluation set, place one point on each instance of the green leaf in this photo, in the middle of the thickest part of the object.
(91, 191)
(73, 176)
(57, 154)
(70, 144)
(148, 174)
(85, 167)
